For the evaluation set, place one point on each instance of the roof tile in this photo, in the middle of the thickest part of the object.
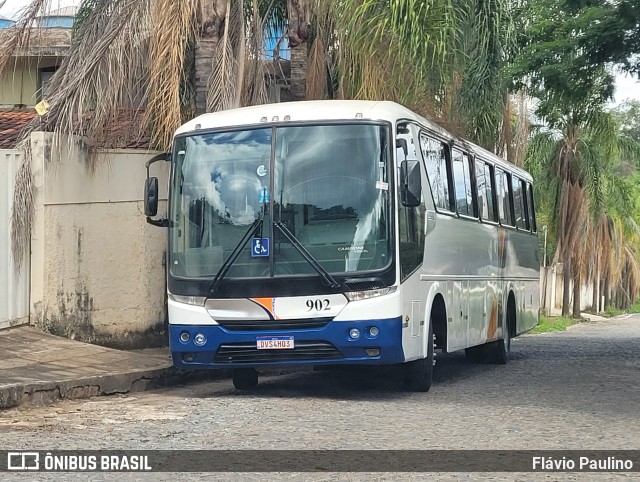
(122, 135)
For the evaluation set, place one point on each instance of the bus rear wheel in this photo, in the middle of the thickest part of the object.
(418, 374)
(245, 378)
(498, 352)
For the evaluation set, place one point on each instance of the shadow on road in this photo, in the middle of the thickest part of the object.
(350, 383)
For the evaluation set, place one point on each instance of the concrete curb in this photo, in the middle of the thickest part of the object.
(37, 367)
(34, 393)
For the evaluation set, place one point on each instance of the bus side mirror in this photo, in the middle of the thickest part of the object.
(151, 193)
(151, 196)
(410, 184)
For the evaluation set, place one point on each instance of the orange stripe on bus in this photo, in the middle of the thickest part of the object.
(266, 303)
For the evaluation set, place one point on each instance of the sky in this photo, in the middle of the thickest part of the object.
(626, 87)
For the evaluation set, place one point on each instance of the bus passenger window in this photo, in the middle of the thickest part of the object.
(490, 189)
(484, 191)
(504, 202)
(438, 170)
(462, 180)
(483, 208)
(532, 209)
(518, 203)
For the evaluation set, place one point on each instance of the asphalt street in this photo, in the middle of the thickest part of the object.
(578, 389)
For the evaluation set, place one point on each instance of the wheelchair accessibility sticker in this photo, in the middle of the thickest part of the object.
(259, 247)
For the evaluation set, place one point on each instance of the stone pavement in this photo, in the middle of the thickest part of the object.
(37, 367)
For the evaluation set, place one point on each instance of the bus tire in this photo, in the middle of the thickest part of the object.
(498, 352)
(245, 378)
(418, 374)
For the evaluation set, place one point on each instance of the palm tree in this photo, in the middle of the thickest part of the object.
(163, 61)
(444, 60)
(591, 206)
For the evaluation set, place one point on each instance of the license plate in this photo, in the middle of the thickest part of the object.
(274, 342)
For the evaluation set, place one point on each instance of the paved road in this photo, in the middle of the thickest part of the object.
(579, 389)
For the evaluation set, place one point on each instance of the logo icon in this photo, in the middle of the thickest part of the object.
(259, 247)
(262, 170)
(23, 461)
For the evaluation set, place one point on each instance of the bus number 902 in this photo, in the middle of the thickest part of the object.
(318, 305)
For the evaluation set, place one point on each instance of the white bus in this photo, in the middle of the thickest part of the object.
(342, 233)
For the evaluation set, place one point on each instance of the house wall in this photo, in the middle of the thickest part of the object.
(98, 269)
(19, 83)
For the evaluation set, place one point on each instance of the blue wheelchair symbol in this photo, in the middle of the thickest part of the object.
(259, 247)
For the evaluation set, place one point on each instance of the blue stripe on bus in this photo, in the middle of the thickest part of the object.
(388, 341)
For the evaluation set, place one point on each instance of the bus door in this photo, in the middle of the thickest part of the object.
(411, 245)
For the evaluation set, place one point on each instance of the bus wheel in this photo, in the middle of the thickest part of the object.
(498, 351)
(418, 374)
(245, 378)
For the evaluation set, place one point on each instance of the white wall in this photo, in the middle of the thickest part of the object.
(14, 281)
(98, 269)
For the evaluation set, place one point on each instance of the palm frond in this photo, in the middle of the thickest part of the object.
(226, 79)
(172, 32)
(22, 209)
(254, 88)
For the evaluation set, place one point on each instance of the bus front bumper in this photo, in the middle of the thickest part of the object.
(213, 346)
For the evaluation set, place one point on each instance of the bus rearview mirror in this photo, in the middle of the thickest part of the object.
(410, 184)
(151, 196)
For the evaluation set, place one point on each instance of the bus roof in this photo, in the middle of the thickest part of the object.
(328, 110)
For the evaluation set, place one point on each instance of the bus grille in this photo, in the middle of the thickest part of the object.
(250, 325)
(249, 353)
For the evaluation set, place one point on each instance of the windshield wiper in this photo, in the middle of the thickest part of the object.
(324, 274)
(226, 266)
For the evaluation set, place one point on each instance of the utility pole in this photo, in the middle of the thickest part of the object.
(544, 268)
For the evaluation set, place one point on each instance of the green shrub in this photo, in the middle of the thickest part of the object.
(554, 323)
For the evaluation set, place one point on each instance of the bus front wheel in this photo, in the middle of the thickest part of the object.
(418, 374)
(245, 378)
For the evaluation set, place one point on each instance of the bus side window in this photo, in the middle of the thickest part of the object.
(518, 203)
(462, 178)
(490, 193)
(438, 170)
(532, 209)
(504, 200)
(410, 219)
(484, 191)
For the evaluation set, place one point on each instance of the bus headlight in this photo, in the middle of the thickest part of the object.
(189, 300)
(184, 337)
(199, 339)
(365, 295)
(354, 333)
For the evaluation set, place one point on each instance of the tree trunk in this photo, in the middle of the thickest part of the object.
(298, 89)
(577, 288)
(566, 286)
(607, 293)
(299, 13)
(212, 26)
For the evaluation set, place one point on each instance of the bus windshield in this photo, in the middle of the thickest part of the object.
(327, 186)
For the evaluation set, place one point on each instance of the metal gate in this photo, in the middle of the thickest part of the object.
(14, 284)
